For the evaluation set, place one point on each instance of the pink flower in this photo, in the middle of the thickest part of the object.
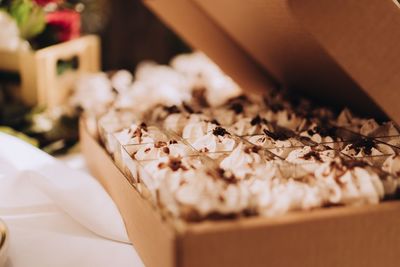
(66, 23)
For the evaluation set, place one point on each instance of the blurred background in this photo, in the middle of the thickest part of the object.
(129, 33)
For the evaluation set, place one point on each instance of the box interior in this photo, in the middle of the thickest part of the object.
(268, 43)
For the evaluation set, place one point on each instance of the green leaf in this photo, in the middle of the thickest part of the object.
(29, 16)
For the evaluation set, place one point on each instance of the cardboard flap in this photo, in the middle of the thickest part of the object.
(242, 35)
(196, 28)
(363, 37)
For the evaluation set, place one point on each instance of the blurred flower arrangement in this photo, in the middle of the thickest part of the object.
(39, 23)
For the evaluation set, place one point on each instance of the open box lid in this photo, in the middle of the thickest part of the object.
(339, 52)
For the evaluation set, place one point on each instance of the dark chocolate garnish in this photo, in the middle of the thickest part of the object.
(363, 143)
(187, 108)
(228, 177)
(166, 150)
(312, 154)
(254, 149)
(162, 165)
(172, 109)
(143, 126)
(138, 134)
(176, 164)
(215, 122)
(256, 120)
(236, 107)
(173, 141)
(219, 131)
(277, 135)
(159, 144)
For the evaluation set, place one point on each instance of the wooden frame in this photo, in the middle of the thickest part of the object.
(40, 82)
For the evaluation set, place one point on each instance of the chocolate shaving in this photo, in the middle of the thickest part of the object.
(187, 108)
(312, 154)
(323, 131)
(228, 177)
(176, 164)
(159, 144)
(363, 143)
(162, 165)
(277, 135)
(173, 141)
(143, 126)
(237, 108)
(252, 149)
(172, 109)
(215, 122)
(219, 131)
(138, 134)
(166, 150)
(256, 120)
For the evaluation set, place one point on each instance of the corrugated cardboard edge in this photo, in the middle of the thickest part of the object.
(365, 236)
(154, 240)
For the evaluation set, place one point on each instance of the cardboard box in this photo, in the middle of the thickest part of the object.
(304, 44)
(342, 236)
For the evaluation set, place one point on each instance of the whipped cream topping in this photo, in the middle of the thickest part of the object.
(350, 184)
(93, 93)
(211, 151)
(214, 142)
(242, 161)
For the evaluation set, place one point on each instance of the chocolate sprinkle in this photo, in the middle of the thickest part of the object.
(363, 143)
(227, 177)
(187, 108)
(277, 135)
(312, 154)
(176, 164)
(172, 109)
(215, 122)
(256, 120)
(219, 131)
(159, 144)
(143, 126)
(252, 149)
(166, 150)
(138, 134)
(237, 108)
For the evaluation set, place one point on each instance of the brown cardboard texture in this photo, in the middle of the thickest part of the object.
(251, 38)
(343, 236)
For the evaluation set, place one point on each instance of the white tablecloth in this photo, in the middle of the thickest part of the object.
(58, 215)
